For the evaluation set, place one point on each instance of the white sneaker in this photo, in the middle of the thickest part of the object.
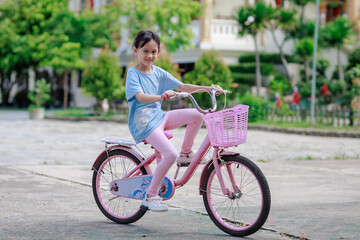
(155, 204)
(185, 158)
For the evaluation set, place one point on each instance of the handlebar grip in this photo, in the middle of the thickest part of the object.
(180, 95)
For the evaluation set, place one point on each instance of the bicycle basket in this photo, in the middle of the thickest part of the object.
(227, 127)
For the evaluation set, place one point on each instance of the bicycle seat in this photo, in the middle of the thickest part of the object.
(118, 141)
(169, 135)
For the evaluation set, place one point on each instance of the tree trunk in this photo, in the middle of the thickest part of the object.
(282, 56)
(66, 88)
(302, 15)
(2, 79)
(305, 70)
(341, 70)
(258, 70)
(285, 64)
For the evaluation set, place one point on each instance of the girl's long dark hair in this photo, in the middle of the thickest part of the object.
(145, 36)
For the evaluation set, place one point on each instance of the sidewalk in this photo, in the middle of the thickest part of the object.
(45, 181)
(56, 202)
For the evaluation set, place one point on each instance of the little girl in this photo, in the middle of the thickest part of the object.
(146, 87)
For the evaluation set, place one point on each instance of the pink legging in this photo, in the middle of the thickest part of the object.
(173, 119)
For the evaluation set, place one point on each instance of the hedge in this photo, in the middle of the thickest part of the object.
(266, 68)
(266, 58)
(244, 78)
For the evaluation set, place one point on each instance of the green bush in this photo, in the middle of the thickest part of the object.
(209, 69)
(352, 74)
(241, 89)
(280, 84)
(244, 78)
(337, 88)
(305, 89)
(40, 95)
(266, 68)
(335, 74)
(321, 66)
(102, 79)
(273, 58)
(166, 62)
(257, 106)
(354, 58)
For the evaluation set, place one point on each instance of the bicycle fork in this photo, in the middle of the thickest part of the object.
(217, 166)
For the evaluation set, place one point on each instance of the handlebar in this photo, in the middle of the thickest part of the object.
(183, 95)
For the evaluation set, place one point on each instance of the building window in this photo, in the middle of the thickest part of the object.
(334, 10)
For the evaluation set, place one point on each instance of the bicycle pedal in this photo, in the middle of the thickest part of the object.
(142, 207)
(183, 164)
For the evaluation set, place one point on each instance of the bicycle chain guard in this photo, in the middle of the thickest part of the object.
(135, 187)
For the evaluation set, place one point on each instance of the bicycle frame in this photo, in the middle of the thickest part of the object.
(204, 148)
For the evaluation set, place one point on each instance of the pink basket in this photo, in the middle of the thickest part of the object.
(228, 127)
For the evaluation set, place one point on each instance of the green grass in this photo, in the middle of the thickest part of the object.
(262, 161)
(317, 126)
(86, 113)
(307, 158)
(83, 112)
(72, 112)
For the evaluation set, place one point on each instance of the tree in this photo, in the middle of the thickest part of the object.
(8, 45)
(335, 35)
(302, 4)
(252, 20)
(24, 38)
(304, 49)
(102, 78)
(64, 59)
(286, 22)
(209, 69)
(304, 28)
(46, 29)
(170, 18)
(82, 33)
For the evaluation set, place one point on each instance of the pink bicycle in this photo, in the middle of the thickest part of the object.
(235, 191)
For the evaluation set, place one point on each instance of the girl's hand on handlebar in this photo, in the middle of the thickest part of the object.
(218, 90)
(168, 94)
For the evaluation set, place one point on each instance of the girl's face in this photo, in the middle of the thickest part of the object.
(147, 54)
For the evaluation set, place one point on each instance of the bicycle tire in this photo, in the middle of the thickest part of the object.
(245, 211)
(115, 165)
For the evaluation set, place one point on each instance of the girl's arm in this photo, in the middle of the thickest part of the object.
(190, 88)
(146, 98)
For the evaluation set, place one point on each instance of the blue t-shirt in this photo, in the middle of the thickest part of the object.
(146, 117)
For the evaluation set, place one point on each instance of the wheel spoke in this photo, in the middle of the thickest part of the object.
(116, 208)
(239, 213)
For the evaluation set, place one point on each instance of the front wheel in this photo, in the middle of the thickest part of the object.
(246, 206)
(112, 167)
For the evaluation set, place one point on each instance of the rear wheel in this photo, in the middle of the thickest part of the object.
(109, 168)
(246, 206)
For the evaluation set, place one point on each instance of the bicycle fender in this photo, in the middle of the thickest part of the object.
(229, 153)
(124, 148)
(206, 167)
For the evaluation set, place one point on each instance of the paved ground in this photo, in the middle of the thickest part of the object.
(45, 188)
